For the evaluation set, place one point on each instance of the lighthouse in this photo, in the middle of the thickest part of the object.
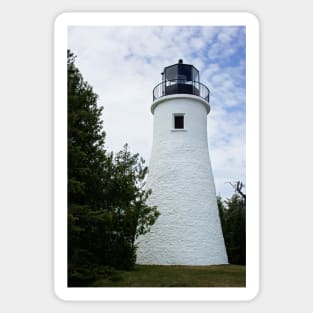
(188, 231)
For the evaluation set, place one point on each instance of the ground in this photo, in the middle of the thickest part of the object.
(176, 276)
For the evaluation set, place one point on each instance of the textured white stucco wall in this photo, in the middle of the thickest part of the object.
(188, 231)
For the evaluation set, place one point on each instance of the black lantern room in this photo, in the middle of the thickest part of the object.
(180, 78)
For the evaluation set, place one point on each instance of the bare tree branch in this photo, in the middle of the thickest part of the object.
(238, 185)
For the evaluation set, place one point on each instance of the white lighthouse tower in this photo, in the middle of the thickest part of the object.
(188, 231)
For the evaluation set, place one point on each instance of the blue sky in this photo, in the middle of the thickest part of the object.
(123, 64)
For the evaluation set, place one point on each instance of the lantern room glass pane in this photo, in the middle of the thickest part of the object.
(182, 72)
(171, 72)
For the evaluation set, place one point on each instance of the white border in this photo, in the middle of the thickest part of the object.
(60, 155)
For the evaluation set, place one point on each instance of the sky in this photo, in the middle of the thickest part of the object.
(124, 64)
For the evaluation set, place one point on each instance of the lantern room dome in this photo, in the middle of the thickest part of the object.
(181, 78)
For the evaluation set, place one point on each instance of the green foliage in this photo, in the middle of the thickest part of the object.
(233, 219)
(107, 207)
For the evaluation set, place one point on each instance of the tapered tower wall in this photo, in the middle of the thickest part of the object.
(188, 231)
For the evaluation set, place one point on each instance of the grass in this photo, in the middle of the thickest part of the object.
(176, 276)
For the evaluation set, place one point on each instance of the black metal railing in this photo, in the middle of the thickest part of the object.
(179, 86)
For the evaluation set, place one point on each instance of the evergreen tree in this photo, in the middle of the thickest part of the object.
(233, 220)
(107, 206)
(86, 161)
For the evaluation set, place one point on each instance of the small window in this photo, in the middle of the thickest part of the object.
(179, 121)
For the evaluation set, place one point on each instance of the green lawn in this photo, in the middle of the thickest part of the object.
(177, 276)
